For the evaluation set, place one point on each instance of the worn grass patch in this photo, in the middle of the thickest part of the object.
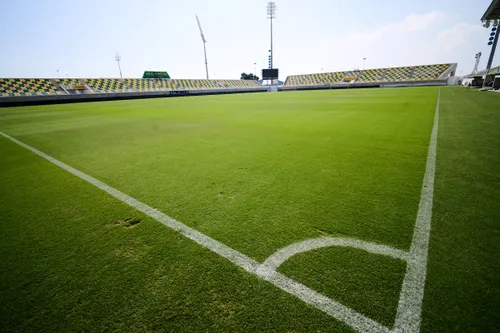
(127, 222)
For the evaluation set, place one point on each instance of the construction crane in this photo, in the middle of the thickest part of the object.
(204, 44)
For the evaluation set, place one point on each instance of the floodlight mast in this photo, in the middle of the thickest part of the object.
(271, 14)
(493, 48)
(476, 64)
(204, 44)
(118, 57)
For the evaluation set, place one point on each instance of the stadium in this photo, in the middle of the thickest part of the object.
(345, 199)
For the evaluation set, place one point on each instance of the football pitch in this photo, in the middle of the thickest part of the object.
(363, 210)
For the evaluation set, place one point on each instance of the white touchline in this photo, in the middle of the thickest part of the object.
(410, 302)
(408, 317)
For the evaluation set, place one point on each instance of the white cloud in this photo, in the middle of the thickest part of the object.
(411, 23)
(457, 36)
(399, 43)
(414, 22)
(415, 39)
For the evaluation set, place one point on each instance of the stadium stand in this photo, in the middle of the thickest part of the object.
(424, 74)
(203, 84)
(429, 71)
(187, 84)
(494, 70)
(28, 87)
(25, 90)
(372, 75)
(105, 85)
(334, 77)
(305, 79)
(396, 74)
(67, 82)
(142, 84)
(243, 83)
(177, 84)
(377, 75)
(350, 76)
(486, 79)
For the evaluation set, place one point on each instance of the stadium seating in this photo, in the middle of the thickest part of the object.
(243, 83)
(314, 79)
(39, 87)
(332, 77)
(187, 84)
(372, 75)
(396, 74)
(142, 84)
(350, 76)
(162, 84)
(213, 84)
(301, 80)
(429, 71)
(105, 85)
(67, 82)
(28, 87)
(63, 86)
(377, 75)
(177, 84)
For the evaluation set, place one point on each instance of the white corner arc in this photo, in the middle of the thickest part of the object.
(279, 257)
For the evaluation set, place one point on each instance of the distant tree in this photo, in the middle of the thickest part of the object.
(245, 76)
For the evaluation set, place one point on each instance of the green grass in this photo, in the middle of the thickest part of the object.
(369, 284)
(256, 172)
(463, 288)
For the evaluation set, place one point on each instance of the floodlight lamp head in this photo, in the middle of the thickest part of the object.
(271, 10)
(118, 57)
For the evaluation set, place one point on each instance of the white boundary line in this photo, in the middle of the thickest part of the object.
(410, 302)
(408, 316)
(412, 292)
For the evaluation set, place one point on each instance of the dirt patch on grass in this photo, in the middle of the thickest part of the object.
(128, 222)
(333, 232)
(224, 306)
(323, 231)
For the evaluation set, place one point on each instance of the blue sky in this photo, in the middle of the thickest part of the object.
(80, 38)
